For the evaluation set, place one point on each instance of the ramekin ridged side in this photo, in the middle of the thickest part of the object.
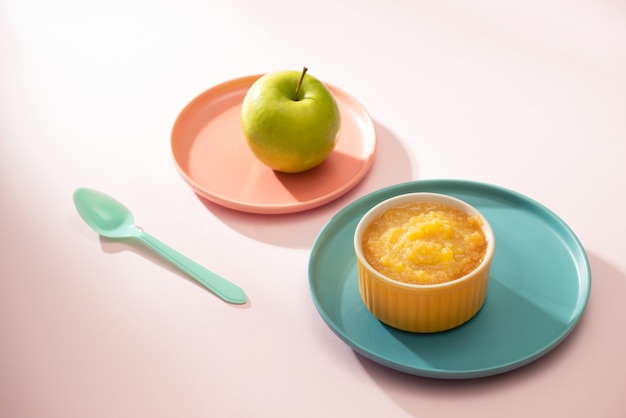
(424, 310)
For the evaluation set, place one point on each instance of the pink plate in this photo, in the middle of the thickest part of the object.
(212, 156)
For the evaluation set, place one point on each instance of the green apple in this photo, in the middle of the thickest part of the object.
(290, 120)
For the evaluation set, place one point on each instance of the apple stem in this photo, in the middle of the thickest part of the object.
(304, 70)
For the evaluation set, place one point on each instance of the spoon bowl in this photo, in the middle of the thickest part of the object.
(112, 219)
(105, 215)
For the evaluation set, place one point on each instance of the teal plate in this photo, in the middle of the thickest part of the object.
(538, 289)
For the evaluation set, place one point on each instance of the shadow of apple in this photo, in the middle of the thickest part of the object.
(392, 164)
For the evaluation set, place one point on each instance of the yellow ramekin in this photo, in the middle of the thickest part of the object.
(429, 307)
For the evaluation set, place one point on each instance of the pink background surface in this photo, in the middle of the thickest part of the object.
(526, 95)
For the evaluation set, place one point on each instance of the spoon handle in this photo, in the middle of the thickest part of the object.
(226, 290)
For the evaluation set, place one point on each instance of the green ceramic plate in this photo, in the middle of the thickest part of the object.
(538, 289)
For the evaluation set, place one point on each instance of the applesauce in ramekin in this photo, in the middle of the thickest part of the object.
(423, 261)
(424, 242)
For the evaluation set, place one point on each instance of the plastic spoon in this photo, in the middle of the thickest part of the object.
(111, 219)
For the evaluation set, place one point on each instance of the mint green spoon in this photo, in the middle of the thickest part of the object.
(111, 219)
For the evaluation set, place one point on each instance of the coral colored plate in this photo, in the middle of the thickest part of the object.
(212, 156)
(539, 286)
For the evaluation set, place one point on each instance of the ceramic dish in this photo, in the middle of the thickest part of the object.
(538, 288)
(212, 156)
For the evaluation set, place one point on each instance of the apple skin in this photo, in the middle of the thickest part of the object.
(287, 133)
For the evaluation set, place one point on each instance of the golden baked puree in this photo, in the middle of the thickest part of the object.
(424, 243)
